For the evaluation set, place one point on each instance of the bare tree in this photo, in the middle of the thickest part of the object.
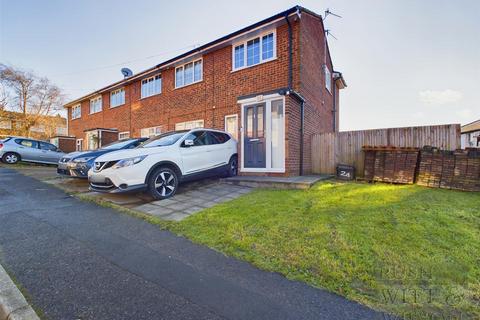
(32, 96)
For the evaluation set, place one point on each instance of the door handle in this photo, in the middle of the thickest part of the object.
(253, 140)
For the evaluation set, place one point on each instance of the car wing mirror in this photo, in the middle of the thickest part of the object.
(188, 143)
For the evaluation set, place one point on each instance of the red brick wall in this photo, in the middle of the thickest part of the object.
(210, 99)
(319, 101)
(66, 144)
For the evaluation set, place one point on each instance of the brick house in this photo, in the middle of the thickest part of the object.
(272, 85)
(46, 126)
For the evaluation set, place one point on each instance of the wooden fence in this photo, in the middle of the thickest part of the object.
(331, 149)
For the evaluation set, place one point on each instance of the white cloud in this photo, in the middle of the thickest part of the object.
(432, 97)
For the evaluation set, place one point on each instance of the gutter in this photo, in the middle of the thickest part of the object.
(334, 110)
(225, 39)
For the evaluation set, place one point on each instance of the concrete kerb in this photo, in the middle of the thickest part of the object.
(13, 305)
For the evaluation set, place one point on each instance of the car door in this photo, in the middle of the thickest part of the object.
(198, 157)
(220, 153)
(28, 149)
(49, 152)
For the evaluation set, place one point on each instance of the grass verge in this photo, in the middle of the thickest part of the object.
(408, 250)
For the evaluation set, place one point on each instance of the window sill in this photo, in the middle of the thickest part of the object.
(254, 65)
(117, 106)
(187, 85)
(95, 112)
(153, 95)
(75, 118)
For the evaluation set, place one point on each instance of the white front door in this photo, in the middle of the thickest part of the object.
(263, 134)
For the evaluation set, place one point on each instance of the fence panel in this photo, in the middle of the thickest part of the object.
(330, 149)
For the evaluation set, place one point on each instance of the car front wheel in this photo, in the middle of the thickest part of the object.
(163, 183)
(10, 158)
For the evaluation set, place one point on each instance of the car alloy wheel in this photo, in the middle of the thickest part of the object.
(10, 158)
(164, 183)
(232, 167)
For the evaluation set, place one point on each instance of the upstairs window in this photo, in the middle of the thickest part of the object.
(117, 98)
(328, 78)
(189, 73)
(76, 111)
(254, 51)
(151, 86)
(96, 105)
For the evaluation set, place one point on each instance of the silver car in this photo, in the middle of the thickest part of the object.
(16, 149)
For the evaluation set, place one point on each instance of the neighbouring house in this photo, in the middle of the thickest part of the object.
(12, 124)
(271, 85)
(471, 135)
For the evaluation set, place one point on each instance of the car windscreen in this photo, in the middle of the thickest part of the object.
(117, 145)
(166, 139)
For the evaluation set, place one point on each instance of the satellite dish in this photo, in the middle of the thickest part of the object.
(126, 72)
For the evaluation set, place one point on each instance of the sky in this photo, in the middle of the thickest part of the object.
(406, 62)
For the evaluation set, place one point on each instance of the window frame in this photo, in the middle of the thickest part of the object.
(122, 89)
(79, 107)
(101, 104)
(124, 133)
(225, 124)
(159, 75)
(245, 49)
(8, 124)
(154, 129)
(182, 66)
(79, 142)
(328, 79)
(184, 123)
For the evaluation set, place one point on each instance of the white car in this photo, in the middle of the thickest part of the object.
(164, 161)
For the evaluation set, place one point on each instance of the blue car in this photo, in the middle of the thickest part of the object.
(76, 164)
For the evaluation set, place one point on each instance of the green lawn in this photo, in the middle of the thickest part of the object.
(409, 250)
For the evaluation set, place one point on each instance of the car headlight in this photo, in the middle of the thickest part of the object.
(128, 162)
(84, 159)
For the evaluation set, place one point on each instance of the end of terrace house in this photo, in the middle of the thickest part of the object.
(272, 85)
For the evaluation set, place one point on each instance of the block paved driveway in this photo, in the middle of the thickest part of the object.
(77, 260)
(193, 197)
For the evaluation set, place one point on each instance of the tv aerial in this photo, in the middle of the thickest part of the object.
(330, 13)
(329, 33)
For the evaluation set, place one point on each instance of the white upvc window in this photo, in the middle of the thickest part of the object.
(5, 124)
(254, 51)
(188, 125)
(189, 73)
(231, 125)
(151, 86)
(328, 78)
(79, 145)
(150, 132)
(117, 97)
(76, 111)
(124, 135)
(96, 104)
(38, 128)
(61, 131)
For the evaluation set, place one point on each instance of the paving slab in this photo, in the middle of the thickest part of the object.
(13, 304)
(176, 216)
